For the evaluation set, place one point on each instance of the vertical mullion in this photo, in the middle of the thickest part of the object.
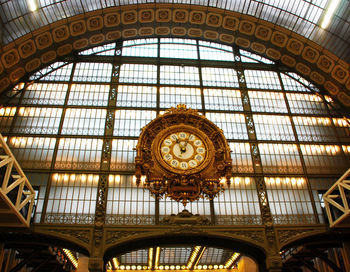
(200, 78)
(255, 153)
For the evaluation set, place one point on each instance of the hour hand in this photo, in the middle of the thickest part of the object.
(182, 147)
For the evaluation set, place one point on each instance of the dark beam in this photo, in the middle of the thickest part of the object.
(171, 61)
(323, 256)
(40, 265)
(25, 261)
(309, 265)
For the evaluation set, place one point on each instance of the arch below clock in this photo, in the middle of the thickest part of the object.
(242, 245)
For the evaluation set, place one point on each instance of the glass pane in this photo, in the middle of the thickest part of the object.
(138, 73)
(90, 72)
(37, 120)
(223, 99)
(220, 77)
(179, 75)
(306, 104)
(72, 199)
(45, 94)
(128, 204)
(137, 96)
(33, 152)
(172, 96)
(262, 79)
(267, 102)
(280, 158)
(273, 127)
(214, 51)
(88, 95)
(233, 125)
(238, 204)
(78, 153)
(323, 159)
(84, 122)
(130, 122)
(123, 155)
(314, 129)
(182, 51)
(289, 200)
(6, 118)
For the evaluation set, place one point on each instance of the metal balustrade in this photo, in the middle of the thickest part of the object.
(16, 194)
(337, 200)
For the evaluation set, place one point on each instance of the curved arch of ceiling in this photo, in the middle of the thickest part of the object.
(244, 245)
(302, 17)
(62, 38)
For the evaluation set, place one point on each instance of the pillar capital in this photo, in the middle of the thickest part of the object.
(96, 264)
(274, 263)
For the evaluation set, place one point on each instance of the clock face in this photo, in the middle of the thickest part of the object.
(183, 150)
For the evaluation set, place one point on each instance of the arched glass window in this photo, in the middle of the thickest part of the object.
(77, 124)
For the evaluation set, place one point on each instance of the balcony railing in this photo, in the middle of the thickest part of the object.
(337, 200)
(16, 194)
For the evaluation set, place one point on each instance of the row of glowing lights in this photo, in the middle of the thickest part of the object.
(320, 149)
(237, 180)
(278, 181)
(195, 257)
(267, 119)
(117, 178)
(96, 143)
(90, 178)
(56, 112)
(304, 97)
(93, 143)
(165, 267)
(233, 180)
(48, 112)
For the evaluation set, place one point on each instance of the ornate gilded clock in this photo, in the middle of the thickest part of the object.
(183, 155)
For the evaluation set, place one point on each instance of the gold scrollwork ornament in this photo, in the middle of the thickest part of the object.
(183, 155)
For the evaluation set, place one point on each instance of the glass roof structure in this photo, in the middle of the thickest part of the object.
(300, 16)
(175, 258)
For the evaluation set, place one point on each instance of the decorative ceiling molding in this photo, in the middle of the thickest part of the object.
(51, 43)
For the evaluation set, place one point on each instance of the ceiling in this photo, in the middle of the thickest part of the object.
(300, 16)
(175, 257)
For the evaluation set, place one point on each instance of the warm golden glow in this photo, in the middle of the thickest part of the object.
(196, 254)
(156, 261)
(341, 122)
(331, 150)
(295, 182)
(114, 179)
(59, 179)
(115, 263)
(71, 257)
(346, 149)
(232, 260)
(312, 121)
(8, 111)
(305, 97)
(271, 119)
(278, 148)
(150, 257)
